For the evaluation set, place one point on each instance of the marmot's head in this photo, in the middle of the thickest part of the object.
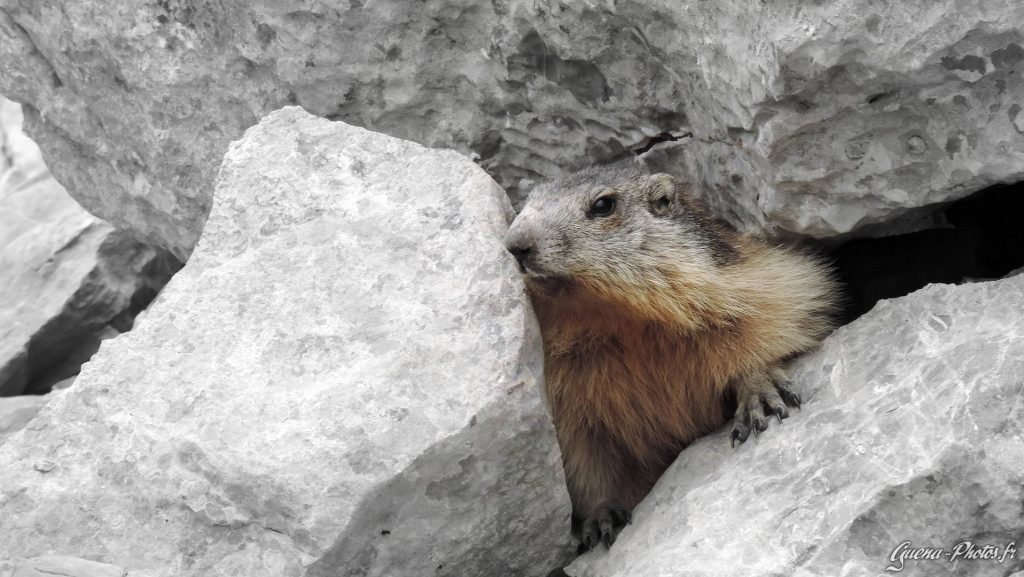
(613, 228)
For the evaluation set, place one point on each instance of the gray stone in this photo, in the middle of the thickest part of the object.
(343, 380)
(16, 412)
(69, 279)
(20, 159)
(910, 431)
(140, 102)
(824, 118)
(816, 119)
(64, 566)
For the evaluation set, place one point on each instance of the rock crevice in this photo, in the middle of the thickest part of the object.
(70, 279)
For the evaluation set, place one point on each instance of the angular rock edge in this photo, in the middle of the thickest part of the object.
(913, 437)
(234, 429)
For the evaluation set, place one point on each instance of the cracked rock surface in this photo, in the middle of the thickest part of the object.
(826, 118)
(913, 437)
(343, 379)
(140, 101)
(68, 279)
(816, 119)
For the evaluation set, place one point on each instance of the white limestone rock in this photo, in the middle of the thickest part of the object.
(343, 380)
(823, 118)
(68, 279)
(807, 118)
(911, 430)
(16, 412)
(140, 101)
(64, 566)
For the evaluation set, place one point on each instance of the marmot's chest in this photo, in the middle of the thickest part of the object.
(641, 388)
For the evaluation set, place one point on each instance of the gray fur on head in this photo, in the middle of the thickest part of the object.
(559, 234)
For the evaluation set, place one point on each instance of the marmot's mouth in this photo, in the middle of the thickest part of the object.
(549, 283)
(529, 269)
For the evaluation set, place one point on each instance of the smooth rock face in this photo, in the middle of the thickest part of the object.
(822, 118)
(343, 380)
(63, 566)
(69, 279)
(913, 437)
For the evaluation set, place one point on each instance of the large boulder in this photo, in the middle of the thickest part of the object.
(139, 101)
(915, 437)
(69, 279)
(826, 118)
(343, 380)
(812, 118)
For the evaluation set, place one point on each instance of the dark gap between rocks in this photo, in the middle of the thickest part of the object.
(984, 240)
(56, 353)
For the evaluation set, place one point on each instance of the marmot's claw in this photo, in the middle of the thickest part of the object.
(757, 420)
(604, 525)
(589, 535)
(607, 534)
(740, 432)
(778, 408)
(784, 388)
(764, 394)
(789, 397)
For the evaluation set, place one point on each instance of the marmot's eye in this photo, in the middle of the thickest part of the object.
(603, 206)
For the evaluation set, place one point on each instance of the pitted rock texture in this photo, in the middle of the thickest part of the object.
(807, 118)
(913, 437)
(140, 101)
(68, 279)
(343, 380)
(822, 118)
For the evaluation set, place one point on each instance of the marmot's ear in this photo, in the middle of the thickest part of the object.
(661, 194)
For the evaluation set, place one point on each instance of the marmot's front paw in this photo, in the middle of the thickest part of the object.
(769, 390)
(604, 524)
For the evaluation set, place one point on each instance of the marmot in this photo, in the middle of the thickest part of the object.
(652, 315)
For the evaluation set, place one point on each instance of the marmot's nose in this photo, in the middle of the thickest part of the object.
(519, 243)
(521, 253)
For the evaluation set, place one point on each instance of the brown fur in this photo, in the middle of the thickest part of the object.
(641, 349)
